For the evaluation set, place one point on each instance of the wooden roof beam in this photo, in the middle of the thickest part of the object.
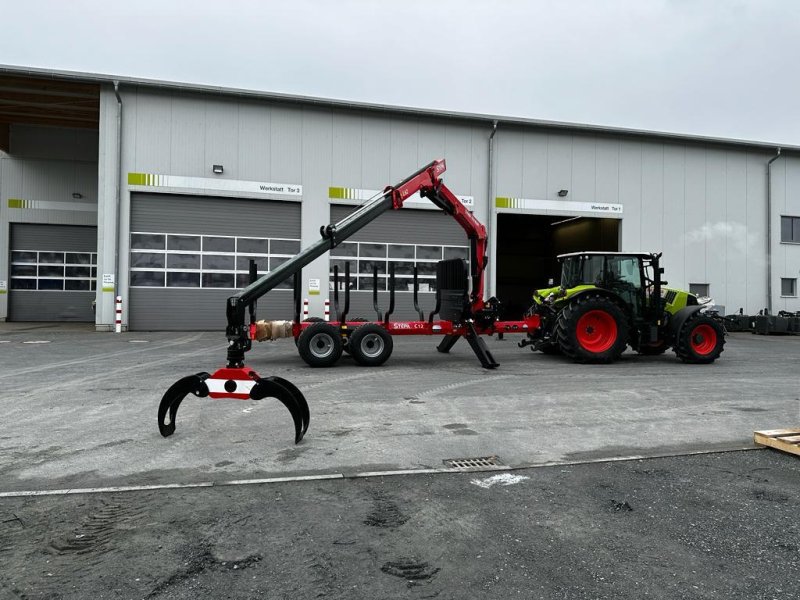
(5, 137)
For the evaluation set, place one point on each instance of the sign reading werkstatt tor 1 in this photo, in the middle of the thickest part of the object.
(558, 206)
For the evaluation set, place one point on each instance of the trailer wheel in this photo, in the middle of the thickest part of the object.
(371, 345)
(592, 329)
(308, 320)
(320, 345)
(701, 340)
(346, 340)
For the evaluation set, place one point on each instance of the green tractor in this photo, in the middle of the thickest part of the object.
(609, 300)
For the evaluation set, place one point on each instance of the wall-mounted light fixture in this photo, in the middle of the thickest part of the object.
(563, 193)
(77, 195)
(217, 169)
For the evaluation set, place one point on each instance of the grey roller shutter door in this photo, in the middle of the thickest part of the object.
(202, 309)
(49, 260)
(405, 226)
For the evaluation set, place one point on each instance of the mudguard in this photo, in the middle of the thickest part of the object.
(680, 317)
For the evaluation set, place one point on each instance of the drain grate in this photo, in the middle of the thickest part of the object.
(469, 464)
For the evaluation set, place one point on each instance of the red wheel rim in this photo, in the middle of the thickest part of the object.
(597, 331)
(703, 339)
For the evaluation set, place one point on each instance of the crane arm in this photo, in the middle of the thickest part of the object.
(427, 182)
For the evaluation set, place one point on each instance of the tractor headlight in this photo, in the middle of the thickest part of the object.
(705, 300)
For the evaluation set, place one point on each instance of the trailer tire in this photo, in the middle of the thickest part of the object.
(592, 329)
(700, 340)
(320, 345)
(346, 340)
(308, 320)
(371, 345)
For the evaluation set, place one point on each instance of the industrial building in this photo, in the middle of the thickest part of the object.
(162, 193)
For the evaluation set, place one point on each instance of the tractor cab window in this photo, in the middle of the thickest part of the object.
(625, 270)
(603, 271)
(582, 270)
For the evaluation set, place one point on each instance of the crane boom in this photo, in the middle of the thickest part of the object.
(427, 182)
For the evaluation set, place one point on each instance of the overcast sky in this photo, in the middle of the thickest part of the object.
(726, 68)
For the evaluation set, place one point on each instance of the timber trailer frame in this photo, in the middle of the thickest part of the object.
(462, 309)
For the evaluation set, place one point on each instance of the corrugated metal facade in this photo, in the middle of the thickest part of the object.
(704, 207)
(185, 134)
(702, 203)
(50, 177)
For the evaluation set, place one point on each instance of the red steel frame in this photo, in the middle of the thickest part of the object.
(524, 326)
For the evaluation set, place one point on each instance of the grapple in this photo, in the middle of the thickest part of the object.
(241, 383)
(237, 381)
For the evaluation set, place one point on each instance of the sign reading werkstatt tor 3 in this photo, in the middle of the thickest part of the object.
(558, 206)
(214, 184)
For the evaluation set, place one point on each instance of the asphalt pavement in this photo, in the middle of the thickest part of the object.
(617, 481)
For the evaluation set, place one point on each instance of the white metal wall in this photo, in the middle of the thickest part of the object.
(174, 133)
(785, 256)
(44, 168)
(703, 206)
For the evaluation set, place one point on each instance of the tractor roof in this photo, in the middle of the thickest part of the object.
(601, 253)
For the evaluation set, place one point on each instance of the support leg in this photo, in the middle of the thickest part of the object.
(480, 349)
(447, 343)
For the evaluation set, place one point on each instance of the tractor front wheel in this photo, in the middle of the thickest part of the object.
(701, 340)
(592, 329)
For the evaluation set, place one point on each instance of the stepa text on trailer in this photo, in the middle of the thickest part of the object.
(462, 308)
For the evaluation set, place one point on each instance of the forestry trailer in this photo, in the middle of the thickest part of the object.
(460, 306)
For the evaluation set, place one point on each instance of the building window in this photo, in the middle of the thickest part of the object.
(178, 260)
(365, 257)
(699, 289)
(788, 286)
(790, 230)
(53, 271)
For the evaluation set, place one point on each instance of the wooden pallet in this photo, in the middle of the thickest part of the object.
(787, 440)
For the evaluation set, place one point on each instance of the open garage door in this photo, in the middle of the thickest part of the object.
(189, 254)
(527, 247)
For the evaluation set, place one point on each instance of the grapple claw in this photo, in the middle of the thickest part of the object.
(237, 383)
(193, 384)
(291, 397)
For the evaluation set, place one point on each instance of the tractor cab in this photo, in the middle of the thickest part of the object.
(625, 275)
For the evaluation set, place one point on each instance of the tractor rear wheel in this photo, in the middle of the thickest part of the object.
(592, 329)
(371, 345)
(320, 345)
(701, 340)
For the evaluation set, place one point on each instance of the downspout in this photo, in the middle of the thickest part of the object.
(117, 194)
(492, 214)
(769, 229)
